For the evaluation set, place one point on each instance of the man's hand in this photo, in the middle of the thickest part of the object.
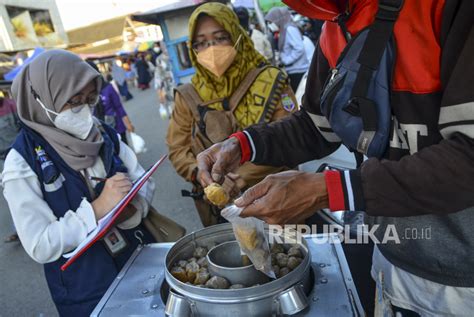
(233, 184)
(286, 197)
(218, 160)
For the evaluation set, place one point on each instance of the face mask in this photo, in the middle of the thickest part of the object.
(77, 124)
(156, 49)
(273, 27)
(217, 58)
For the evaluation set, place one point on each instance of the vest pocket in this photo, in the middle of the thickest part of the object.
(219, 125)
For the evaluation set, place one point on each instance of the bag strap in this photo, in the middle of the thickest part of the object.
(244, 86)
(192, 99)
(369, 59)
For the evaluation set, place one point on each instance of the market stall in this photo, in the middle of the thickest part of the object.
(173, 20)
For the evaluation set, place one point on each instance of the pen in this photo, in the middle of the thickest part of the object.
(97, 179)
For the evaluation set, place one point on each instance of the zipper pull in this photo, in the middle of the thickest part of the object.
(334, 72)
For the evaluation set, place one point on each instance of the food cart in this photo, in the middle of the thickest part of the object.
(173, 20)
(321, 285)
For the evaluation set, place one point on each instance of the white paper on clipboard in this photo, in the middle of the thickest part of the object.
(107, 219)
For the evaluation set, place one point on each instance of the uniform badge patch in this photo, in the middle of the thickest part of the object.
(287, 103)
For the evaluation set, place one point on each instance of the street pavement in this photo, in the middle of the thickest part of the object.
(23, 290)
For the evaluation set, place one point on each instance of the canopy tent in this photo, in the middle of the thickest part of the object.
(12, 74)
(145, 46)
(249, 4)
(153, 16)
(266, 5)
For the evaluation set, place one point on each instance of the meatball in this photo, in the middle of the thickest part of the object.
(295, 251)
(203, 262)
(217, 282)
(282, 260)
(276, 270)
(192, 269)
(277, 248)
(201, 278)
(179, 273)
(293, 262)
(200, 252)
(284, 271)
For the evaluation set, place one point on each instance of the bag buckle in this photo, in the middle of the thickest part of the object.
(193, 195)
(388, 12)
(388, 7)
(352, 107)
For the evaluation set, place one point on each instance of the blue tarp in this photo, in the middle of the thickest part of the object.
(244, 3)
(12, 74)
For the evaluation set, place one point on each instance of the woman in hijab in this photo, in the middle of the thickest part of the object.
(290, 44)
(53, 163)
(207, 110)
(120, 76)
(143, 72)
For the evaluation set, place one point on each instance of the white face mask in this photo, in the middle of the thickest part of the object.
(77, 124)
(273, 27)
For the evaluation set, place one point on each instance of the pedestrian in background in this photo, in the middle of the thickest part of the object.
(259, 39)
(9, 127)
(114, 112)
(130, 72)
(120, 77)
(307, 42)
(290, 44)
(143, 72)
(164, 83)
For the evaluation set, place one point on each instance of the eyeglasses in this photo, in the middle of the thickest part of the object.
(76, 103)
(220, 40)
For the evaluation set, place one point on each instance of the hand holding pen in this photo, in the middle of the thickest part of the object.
(115, 188)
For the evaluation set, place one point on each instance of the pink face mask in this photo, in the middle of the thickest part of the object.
(217, 58)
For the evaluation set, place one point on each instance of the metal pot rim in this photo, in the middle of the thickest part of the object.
(247, 294)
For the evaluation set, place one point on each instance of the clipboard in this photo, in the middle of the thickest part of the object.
(106, 223)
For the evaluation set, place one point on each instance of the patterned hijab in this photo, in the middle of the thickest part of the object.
(207, 84)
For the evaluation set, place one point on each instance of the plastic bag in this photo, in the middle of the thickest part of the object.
(137, 143)
(164, 112)
(250, 235)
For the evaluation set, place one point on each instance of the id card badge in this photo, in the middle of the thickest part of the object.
(115, 242)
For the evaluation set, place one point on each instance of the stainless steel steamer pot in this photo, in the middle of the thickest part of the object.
(284, 296)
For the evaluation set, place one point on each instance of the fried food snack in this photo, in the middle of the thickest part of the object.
(217, 282)
(216, 194)
(180, 274)
(247, 237)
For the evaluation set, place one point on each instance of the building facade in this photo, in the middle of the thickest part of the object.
(26, 24)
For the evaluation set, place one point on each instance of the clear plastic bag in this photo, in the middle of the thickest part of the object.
(163, 112)
(137, 143)
(250, 235)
